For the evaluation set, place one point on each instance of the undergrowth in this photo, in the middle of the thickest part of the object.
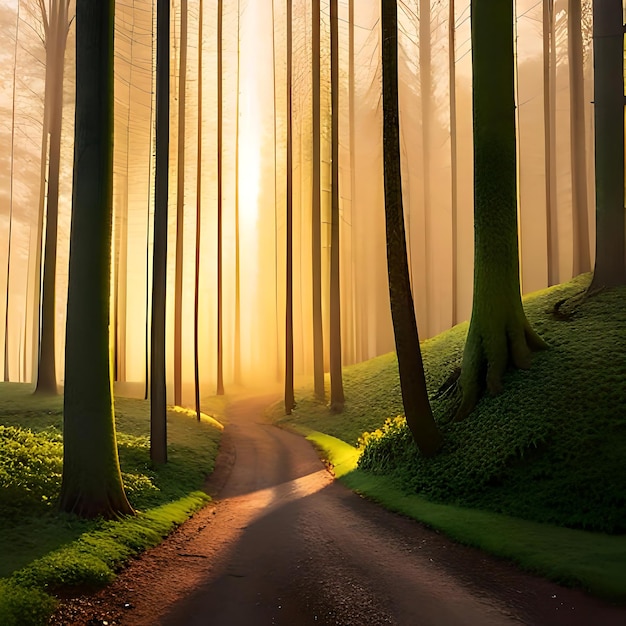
(550, 448)
(44, 551)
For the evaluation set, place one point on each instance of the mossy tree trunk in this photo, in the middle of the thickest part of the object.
(92, 482)
(608, 47)
(499, 332)
(412, 381)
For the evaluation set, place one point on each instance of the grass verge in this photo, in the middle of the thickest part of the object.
(45, 552)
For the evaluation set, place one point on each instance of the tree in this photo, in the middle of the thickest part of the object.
(220, 349)
(608, 47)
(580, 219)
(158, 405)
(92, 482)
(289, 395)
(196, 291)
(237, 337)
(180, 207)
(56, 25)
(336, 380)
(549, 125)
(454, 195)
(417, 409)
(316, 215)
(499, 332)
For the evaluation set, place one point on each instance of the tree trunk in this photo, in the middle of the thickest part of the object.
(180, 207)
(425, 67)
(289, 393)
(412, 380)
(608, 47)
(580, 219)
(56, 39)
(196, 291)
(158, 399)
(336, 379)
(92, 482)
(499, 332)
(316, 213)
(237, 337)
(220, 350)
(549, 107)
(454, 195)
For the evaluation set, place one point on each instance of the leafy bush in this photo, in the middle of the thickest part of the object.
(23, 607)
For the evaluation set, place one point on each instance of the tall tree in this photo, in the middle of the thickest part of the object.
(56, 25)
(454, 194)
(336, 378)
(580, 219)
(417, 409)
(158, 400)
(11, 171)
(316, 212)
(237, 337)
(499, 332)
(549, 126)
(220, 349)
(289, 394)
(608, 53)
(180, 206)
(196, 290)
(92, 482)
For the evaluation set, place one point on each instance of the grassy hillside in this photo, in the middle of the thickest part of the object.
(550, 448)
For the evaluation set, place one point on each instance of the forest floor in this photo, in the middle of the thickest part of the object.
(283, 543)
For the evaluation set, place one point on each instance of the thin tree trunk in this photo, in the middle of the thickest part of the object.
(412, 379)
(92, 482)
(237, 338)
(158, 400)
(549, 105)
(336, 379)
(220, 351)
(425, 68)
(180, 207)
(196, 301)
(6, 308)
(278, 369)
(454, 194)
(289, 393)
(56, 39)
(316, 214)
(582, 259)
(608, 38)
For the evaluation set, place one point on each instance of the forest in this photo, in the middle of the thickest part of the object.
(298, 292)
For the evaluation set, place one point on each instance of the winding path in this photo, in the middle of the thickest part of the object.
(284, 544)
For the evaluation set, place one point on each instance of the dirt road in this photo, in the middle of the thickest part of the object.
(284, 544)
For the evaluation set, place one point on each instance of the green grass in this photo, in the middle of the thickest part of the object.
(545, 454)
(44, 551)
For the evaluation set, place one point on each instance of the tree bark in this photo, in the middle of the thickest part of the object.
(220, 350)
(608, 46)
(549, 119)
(180, 207)
(158, 399)
(580, 219)
(237, 337)
(316, 214)
(454, 194)
(336, 378)
(289, 393)
(196, 291)
(411, 369)
(499, 332)
(92, 482)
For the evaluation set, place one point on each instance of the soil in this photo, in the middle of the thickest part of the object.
(283, 543)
